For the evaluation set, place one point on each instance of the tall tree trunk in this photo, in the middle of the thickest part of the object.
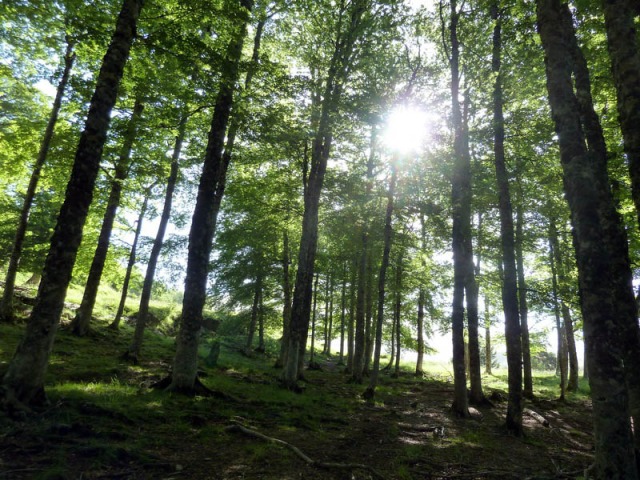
(23, 382)
(507, 237)
(622, 41)
(80, 324)
(314, 313)
(185, 362)
(343, 307)
(330, 328)
(420, 339)
(286, 293)
(254, 314)
(461, 233)
(607, 300)
(301, 309)
(361, 308)
(574, 373)
(6, 305)
(488, 357)
(145, 297)
(352, 317)
(131, 262)
(522, 299)
(397, 315)
(368, 326)
(261, 348)
(554, 260)
(369, 393)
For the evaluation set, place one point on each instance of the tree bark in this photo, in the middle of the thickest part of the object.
(314, 313)
(352, 315)
(461, 209)
(6, 305)
(254, 313)
(488, 357)
(561, 359)
(420, 339)
(607, 300)
(24, 379)
(507, 237)
(185, 362)
(80, 324)
(369, 393)
(622, 41)
(145, 297)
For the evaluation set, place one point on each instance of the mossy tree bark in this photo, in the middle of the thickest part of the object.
(24, 379)
(607, 300)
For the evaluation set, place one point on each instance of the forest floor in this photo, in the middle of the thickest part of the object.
(105, 422)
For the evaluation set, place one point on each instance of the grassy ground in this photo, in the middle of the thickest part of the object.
(104, 421)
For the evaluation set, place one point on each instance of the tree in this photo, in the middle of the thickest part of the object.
(607, 301)
(80, 324)
(23, 382)
(6, 305)
(510, 281)
(185, 362)
(342, 55)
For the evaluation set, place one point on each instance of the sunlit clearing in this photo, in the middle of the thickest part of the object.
(406, 129)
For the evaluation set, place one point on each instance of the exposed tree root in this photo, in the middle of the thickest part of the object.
(199, 389)
(299, 453)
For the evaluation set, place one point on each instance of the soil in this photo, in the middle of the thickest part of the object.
(408, 433)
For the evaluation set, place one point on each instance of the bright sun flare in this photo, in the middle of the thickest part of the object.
(406, 129)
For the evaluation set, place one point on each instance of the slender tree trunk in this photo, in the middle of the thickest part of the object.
(420, 324)
(325, 345)
(330, 329)
(6, 305)
(574, 373)
(23, 383)
(368, 326)
(522, 299)
(286, 291)
(352, 317)
(510, 280)
(145, 297)
(255, 311)
(622, 41)
(361, 309)
(301, 308)
(488, 357)
(185, 362)
(261, 347)
(343, 306)
(561, 360)
(460, 201)
(314, 313)
(369, 393)
(80, 324)
(397, 315)
(130, 263)
(607, 300)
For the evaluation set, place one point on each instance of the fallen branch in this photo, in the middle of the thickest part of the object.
(537, 417)
(302, 455)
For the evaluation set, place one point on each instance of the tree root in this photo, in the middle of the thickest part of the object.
(199, 389)
(299, 453)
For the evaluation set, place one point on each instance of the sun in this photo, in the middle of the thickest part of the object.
(406, 129)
